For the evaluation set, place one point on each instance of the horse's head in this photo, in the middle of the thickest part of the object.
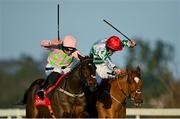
(88, 70)
(135, 86)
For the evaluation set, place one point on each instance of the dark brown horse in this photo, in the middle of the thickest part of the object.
(122, 87)
(67, 99)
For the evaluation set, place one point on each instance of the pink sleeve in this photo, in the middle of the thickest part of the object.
(56, 42)
(45, 43)
(51, 43)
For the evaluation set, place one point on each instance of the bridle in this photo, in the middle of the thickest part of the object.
(136, 91)
(128, 96)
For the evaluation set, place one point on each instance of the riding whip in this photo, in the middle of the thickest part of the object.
(116, 29)
(58, 21)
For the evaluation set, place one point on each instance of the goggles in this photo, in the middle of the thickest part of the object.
(69, 49)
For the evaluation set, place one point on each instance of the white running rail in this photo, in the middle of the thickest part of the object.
(132, 112)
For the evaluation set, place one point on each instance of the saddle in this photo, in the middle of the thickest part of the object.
(46, 101)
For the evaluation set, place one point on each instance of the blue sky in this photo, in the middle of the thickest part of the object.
(24, 23)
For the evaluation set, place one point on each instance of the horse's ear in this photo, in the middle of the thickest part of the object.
(80, 57)
(138, 69)
(127, 69)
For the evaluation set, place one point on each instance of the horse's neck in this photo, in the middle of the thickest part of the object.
(73, 82)
(120, 84)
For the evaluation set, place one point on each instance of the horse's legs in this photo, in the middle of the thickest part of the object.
(102, 113)
(106, 113)
(83, 115)
(79, 111)
(91, 98)
(122, 112)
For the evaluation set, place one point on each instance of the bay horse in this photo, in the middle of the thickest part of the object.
(67, 99)
(111, 104)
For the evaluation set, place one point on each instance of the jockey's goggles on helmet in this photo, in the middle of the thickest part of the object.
(69, 49)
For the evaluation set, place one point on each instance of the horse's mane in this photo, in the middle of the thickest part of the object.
(75, 67)
(78, 64)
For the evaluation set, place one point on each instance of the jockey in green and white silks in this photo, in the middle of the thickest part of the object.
(101, 52)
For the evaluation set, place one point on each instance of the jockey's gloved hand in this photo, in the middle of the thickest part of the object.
(118, 71)
(132, 43)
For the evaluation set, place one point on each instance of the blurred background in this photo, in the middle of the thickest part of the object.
(153, 24)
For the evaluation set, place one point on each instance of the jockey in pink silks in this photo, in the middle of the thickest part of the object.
(62, 57)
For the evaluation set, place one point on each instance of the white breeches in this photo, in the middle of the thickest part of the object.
(102, 72)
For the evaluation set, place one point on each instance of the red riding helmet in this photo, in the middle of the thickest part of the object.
(114, 43)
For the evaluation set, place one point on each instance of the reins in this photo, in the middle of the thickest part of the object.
(119, 86)
(122, 89)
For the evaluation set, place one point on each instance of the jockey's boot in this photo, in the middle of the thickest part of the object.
(104, 93)
(51, 79)
(108, 97)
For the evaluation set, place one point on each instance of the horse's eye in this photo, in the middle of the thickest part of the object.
(136, 79)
